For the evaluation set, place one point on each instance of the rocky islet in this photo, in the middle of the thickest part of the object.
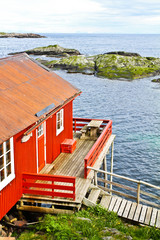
(20, 35)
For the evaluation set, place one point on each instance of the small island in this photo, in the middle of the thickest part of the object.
(52, 51)
(20, 35)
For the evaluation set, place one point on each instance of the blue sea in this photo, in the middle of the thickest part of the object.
(134, 106)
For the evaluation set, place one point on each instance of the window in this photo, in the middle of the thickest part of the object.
(40, 130)
(6, 163)
(59, 120)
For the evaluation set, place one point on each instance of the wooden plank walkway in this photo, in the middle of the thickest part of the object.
(131, 210)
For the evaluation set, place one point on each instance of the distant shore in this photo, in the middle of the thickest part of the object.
(20, 35)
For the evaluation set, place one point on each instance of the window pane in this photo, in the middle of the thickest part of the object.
(8, 157)
(1, 175)
(8, 170)
(58, 125)
(58, 116)
(8, 145)
(1, 149)
(1, 162)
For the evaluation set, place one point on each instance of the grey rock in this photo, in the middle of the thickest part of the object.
(107, 238)
(51, 50)
(129, 238)
(84, 219)
(129, 54)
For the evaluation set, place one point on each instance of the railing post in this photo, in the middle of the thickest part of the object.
(105, 169)
(74, 194)
(138, 192)
(111, 177)
(53, 189)
(75, 125)
(85, 168)
(95, 178)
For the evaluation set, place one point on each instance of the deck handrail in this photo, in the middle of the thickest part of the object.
(137, 190)
(49, 185)
(98, 146)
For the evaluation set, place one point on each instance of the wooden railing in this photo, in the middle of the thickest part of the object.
(107, 185)
(93, 154)
(48, 185)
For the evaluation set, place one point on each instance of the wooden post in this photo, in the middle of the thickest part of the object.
(138, 192)
(95, 178)
(105, 169)
(111, 164)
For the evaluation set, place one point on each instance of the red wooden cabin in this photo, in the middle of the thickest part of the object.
(35, 118)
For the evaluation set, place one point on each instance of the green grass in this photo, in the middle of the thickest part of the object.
(73, 227)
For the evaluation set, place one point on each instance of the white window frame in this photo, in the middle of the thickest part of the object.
(8, 179)
(40, 130)
(61, 121)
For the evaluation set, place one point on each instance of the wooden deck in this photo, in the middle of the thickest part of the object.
(67, 164)
(72, 164)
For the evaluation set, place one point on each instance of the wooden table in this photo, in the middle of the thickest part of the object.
(93, 126)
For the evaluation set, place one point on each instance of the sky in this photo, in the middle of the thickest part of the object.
(80, 16)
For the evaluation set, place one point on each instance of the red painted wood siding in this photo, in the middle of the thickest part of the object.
(52, 141)
(24, 160)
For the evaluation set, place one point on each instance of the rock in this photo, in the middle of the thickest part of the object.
(156, 80)
(123, 67)
(20, 35)
(107, 238)
(109, 66)
(74, 64)
(51, 50)
(129, 54)
(111, 230)
(129, 238)
(84, 219)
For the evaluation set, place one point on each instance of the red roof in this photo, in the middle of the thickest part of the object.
(26, 88)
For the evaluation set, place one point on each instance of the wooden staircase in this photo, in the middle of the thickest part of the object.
(138, 213)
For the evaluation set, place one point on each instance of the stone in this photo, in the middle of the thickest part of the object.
(84, 219)
(129, 54)
(124, 67)
(74, 64)
(107, 238)
(156, 80)
(51, 50)
(129, 238)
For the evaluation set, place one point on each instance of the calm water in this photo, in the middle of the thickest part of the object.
(133, 106)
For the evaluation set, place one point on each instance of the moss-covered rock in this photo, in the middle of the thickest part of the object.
(73, 64)
(116, 66)
(51, 50)
(112, 66)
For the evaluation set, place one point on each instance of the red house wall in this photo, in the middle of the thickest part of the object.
(24, 161)
(52, 141)
(25, 156)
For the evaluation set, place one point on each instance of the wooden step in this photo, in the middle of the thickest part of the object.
(94, 194)
(105, 201)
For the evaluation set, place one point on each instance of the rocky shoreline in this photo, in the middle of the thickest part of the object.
(20, 35)
(111, 65)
